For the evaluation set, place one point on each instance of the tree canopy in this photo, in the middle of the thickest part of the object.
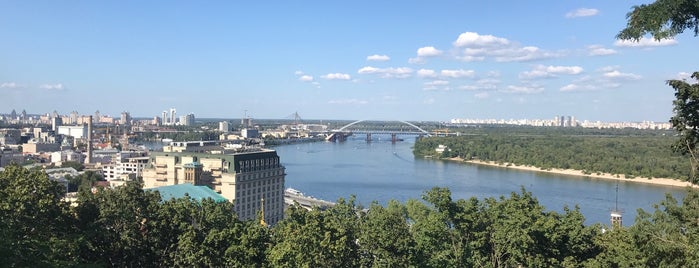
(662, 19)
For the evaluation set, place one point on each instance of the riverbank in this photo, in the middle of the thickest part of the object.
(580, 173)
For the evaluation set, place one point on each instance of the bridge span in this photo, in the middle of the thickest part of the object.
(377, 128)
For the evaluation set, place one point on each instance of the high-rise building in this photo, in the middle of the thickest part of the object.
(165, 118)
(173, 116)
(125, 118)
(224, 126)
(248, 179)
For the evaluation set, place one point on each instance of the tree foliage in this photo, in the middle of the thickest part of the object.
(686, 120)
(132, 227)
(631, 155)
(662, 19)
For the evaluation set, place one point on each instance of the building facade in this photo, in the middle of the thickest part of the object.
(250, 180)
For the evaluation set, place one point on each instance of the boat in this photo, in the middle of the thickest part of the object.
(293, 191)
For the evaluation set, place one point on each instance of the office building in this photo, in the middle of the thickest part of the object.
(248, 179)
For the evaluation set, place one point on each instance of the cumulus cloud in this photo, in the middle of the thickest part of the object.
(582, 12)
(423, 53)
(621, 76)
(524, 89)
(348, 101)
(298, 73)
(428, 52)
(645, 42)
(597, 50)
(472, 46)
(10, 85)
(541, 71)
(402, 72)
(52, 86)
(472, 39)
(457, 73)
(377, 57)
(426, 73)
(337, 76)
(306, 78)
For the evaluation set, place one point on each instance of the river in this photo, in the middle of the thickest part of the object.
(381, 171)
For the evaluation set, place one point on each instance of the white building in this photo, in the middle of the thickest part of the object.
(78, 132)
(224, 126)
(126, 163)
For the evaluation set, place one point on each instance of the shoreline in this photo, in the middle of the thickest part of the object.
(572, 172)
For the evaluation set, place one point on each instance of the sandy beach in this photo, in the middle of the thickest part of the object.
(572, 172)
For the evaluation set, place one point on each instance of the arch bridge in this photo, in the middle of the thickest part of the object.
(369, 128)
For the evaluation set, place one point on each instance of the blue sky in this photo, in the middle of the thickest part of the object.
(393, 60)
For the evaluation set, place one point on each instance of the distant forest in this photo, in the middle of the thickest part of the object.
(628, 152)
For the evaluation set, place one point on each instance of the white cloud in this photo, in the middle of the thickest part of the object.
(306, 78)
(483, 84)
(457, 73)
(578, 87)
(401, 72)
(469, 58)
(337, 76)
(525, 89)
(597, 50)
(623, 76)
(437, 83)
(348, 101)
(582, 12)
(377, 57)
(645, 42)
(417, 60)
(298, 73)
(423, 53)
(541, 71)
(52, 86)
(10, 85)
(426, 73)
(428, 52)
(316, 84)
(471, 39)
(481, 95)
(475, 47)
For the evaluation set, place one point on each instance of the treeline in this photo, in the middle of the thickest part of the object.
(130, 227)
(633, 154)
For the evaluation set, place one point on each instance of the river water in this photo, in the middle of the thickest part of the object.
(381, 171)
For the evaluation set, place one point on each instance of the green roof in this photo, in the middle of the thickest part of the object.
(187, 189)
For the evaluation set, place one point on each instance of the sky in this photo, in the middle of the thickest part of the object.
(370, 60)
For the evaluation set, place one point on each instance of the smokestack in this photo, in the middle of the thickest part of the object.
(88, 160)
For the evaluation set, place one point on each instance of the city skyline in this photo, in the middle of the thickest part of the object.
(361, 60)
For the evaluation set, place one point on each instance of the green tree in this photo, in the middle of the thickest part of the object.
(686, 121)
(385, 240)
(662, 19)
(118, 226)
(669, 237)
(316, 238)
(35, 225)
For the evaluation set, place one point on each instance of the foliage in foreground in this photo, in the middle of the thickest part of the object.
(128, 226)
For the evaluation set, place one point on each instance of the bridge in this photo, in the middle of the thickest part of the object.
(369, 128)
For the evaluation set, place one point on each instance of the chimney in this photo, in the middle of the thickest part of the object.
(88, 160)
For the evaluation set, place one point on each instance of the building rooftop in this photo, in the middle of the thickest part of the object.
(197, 193)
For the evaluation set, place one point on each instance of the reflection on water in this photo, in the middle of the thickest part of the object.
(381, 171)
